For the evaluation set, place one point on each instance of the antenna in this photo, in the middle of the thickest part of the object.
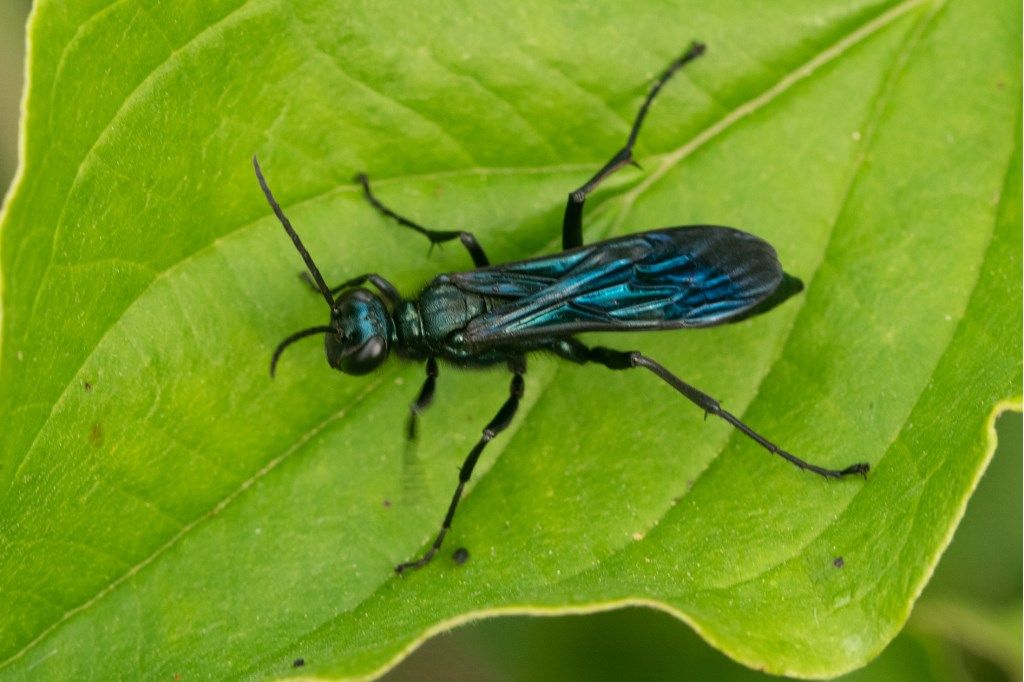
(292, 339)
(324, 289)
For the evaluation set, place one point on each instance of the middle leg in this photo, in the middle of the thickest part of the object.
(498, 424)
(476, 252)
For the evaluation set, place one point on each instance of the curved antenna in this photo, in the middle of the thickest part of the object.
(320, 283)
(292, 339)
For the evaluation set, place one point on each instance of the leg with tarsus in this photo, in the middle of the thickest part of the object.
(423, 400)
(497, 425)
(476, 252)
(572, 223)
(412, 481)
(384, 286)
(615, 359)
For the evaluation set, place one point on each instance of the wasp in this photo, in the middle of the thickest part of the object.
(669, 278)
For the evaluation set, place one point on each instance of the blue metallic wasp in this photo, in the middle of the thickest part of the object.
(694, 276)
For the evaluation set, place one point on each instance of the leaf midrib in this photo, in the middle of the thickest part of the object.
(875, 114)
(671, 159)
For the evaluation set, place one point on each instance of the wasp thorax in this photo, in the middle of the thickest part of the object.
(361, 340)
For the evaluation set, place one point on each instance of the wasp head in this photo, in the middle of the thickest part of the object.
(358, 338)
(362, 328)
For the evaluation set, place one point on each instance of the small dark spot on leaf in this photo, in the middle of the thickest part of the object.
(96, 434)
(298, 662)
(1000, 84)
(387, 503)
(460, 556)
(87, 386)
(838, 562)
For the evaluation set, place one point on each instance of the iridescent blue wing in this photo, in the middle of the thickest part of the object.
(677, 277)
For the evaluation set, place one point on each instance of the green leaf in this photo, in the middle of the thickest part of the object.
(168, 510)
(965, 625)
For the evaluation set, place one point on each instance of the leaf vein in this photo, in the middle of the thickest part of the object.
(185, 530)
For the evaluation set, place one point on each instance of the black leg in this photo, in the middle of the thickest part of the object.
(385, 287)
(614, 359)
(476, 252)
(496, 426)
(423, 400)
(412, 474)
(572, 224)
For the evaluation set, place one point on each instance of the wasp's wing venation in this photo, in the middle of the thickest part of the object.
(525, 278)
(512, 285)
(677, 277)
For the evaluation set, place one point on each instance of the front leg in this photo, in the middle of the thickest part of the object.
(423, 400)
(384, 286)
(413, 484)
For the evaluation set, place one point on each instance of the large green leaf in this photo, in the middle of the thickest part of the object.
(965, 626)
(167, 509)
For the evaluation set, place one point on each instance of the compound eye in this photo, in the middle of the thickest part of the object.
(366, 357)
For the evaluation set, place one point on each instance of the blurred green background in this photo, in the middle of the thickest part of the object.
(966, 626)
